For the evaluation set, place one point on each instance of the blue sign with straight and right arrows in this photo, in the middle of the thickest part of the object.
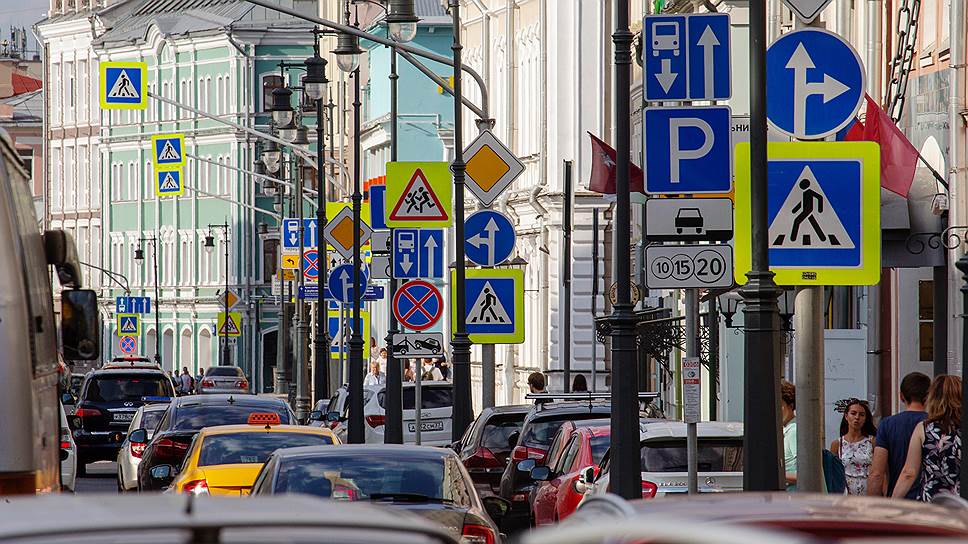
(686, 57)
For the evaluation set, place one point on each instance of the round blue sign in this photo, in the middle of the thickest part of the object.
(341, 282)
(488, 238)
(815, 83)
(418, 305)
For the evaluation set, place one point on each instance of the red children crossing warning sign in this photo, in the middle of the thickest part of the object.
(419, 193)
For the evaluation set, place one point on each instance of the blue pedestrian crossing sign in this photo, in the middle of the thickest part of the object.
(823, 211)
(417, 253)
(687, 57)
(340, 336)
(129, 325)
(688, 150)
(168, 150)
(488, 238)
(341, 282)
(124, 86)
(169, 182)
(815, 83)
(494, 304)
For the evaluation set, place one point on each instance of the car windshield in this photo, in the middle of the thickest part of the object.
(600, 445)
(497, 431)
(192, 418)
(127, 387)
(233, 371)
(714, 456)
(229, 449)
(374, 477)
(149, 420)
(431, 397)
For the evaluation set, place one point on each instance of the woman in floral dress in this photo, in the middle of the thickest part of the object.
(855, 447)
(935, 449)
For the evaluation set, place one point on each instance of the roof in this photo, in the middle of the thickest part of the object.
(127, 370)
(368, 450)
(677, 429)
(187, 17)
(24, 84)
(229, 429)
(79, 517)
(240, 399)
(24, 108)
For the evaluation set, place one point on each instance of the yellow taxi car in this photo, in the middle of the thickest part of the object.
(225, 460)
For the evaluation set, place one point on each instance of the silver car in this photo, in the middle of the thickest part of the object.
(68, 453)
(129, 456)
(436, 414)
(223, 379)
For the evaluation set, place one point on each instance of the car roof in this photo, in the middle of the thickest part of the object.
(132, 514)
(242, 399)
(558, 410)
(154, 371)
(234, 429)
(155, 406)
(367, 450)
(656, 430)
(806, 507)
(509, 409)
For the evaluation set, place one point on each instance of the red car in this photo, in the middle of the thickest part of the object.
(557, 495)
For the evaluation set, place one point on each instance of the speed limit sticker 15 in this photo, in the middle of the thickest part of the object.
(685, 267)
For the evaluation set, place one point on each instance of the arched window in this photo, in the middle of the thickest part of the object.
(269, 82)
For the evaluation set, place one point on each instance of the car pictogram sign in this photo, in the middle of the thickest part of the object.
(230, 324)
(123, 86)
(491, 167)
(339, 232)
(129, 325)
(128, 344)
(418, 305)
(419, 194)
(168, 150)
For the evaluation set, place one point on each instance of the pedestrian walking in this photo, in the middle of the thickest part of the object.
(408, 375)
(788, 411)
(187, 382)
(375, 376)
(935, 447)
(855, 446)
(431, 372)
(537, 384)
(894, 436)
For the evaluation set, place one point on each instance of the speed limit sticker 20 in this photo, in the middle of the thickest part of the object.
(685, 267)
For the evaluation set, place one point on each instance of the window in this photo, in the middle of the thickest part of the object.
(56, 179)
(70, 179)
(149, 186)
(926, 321)
(270, 259)
(132, 181)
(186, 261)
(54, 81)
(94, 81)
(83, 189)
(82, 87)
(96, 180)
(209, 101)
(96, 255)
(929, 24)
(218, 95)
(269, 82)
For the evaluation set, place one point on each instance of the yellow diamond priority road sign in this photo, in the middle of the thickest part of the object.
(339, 232)
(491, 167)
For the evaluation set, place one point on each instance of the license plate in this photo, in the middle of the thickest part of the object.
(123, 416)
(426, 426)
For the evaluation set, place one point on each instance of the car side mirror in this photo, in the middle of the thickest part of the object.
(138, 436)
(315, 415)
(332, 417)
(496, 507)
(513, 439)
(80, 325)
(526, 465)
(541, 473)
(67, 398)
(586, 479)
(162, 473)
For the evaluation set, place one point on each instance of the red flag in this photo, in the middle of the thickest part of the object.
(603, 170)
(899, 158)
(856, 132)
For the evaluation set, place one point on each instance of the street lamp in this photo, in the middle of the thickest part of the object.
(728, 305)
(281, 108)
(402, 21)
(288, 132)
(301, 135)
(271, 156)
(347, 52)
(315, 81)
(225, 357)
(139, 256)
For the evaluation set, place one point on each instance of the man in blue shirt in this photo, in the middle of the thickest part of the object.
(894, 435)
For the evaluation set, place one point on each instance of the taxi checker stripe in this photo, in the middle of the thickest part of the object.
(418, 305)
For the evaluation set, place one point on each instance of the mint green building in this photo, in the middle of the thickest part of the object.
(220, 56)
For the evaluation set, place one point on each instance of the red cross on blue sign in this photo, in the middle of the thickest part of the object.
(310, 264)
(128, 344)
(418, 305)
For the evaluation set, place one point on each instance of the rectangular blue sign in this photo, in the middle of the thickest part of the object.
(132, 305)
(688, 150)
(378, 199)
(687, 57)
(311, 292)
(290, 233)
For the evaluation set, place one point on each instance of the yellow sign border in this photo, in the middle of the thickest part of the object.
(167, 165)
(137, 319)
(234, 316)
(869, 271)
(440, 179)
(517, 337)
(103, 92)
(181, 172)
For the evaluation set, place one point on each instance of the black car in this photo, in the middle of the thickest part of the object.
(188, 415)
(484, 448)
(109, 397)
(532, 442)
(429, 482)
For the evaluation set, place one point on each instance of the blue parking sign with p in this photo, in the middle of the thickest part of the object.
(688, 150)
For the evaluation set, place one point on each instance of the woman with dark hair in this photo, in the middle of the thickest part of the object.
(855, 447)
(935, 448)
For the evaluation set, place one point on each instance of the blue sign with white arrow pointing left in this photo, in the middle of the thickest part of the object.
(815, 83)
(488, 238)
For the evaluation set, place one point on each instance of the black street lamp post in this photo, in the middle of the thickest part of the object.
(225, 353)
(139, 255)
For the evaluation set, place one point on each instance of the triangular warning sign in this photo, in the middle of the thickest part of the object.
(488, 310)
(128, 325)
(169, 183)
(229, 327)
(807, 219)
(169, 153)
(418, 201)
(123, 87)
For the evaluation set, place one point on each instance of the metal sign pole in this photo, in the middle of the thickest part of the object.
(417, 399)
(690, 401)
(394, 388)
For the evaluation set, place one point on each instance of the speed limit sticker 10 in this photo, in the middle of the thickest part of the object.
(689, 267)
